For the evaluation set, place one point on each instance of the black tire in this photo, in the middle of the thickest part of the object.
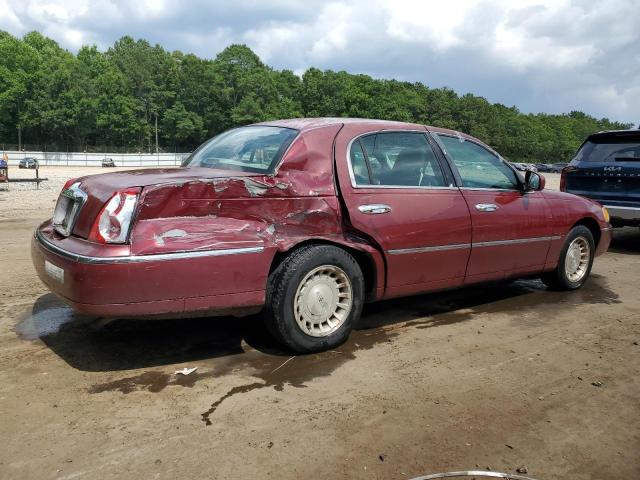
(283, 284)
(557, 279)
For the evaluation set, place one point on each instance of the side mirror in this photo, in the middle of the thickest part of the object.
(533, 181)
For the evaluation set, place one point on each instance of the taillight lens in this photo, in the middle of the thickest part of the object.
(68, 183)
(563, 177)
(114, 220)
(60, 211)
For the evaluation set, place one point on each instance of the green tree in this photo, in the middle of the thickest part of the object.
(117, 97)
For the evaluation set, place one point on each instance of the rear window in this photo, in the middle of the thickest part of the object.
(246, 149)
(612, 150)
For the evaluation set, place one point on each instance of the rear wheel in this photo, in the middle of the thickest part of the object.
(314, 298)
(576, 260)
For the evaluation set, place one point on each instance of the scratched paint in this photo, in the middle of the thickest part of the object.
(173, 233)
(204, 209)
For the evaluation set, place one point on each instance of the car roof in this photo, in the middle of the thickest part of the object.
(618, 134)
(303, 124)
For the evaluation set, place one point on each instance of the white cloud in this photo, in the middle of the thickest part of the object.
(542, 55)
(432, 23)
(9, 20)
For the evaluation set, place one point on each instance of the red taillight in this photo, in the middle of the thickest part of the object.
(114, 220)
(563, 176)
(68, 183)
(66, 208)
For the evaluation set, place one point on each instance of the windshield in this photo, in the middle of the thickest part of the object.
(609, 152)
(245, 149)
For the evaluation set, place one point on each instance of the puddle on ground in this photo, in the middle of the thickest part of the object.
(228, 345)
(275, 371)
(296, 371)
(42, 322)
(152, 381)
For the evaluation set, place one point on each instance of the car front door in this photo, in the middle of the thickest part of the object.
(399, 192)
(512, 228)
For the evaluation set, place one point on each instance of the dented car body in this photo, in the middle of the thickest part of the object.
(412, 209)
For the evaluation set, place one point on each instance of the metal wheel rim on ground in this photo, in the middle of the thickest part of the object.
(577, 259)
(323, 301)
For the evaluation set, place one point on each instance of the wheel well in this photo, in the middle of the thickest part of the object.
(593, 226)
(365, 262)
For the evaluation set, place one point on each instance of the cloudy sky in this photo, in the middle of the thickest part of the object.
(540, 55)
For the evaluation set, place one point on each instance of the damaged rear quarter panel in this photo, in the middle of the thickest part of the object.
(275, 212)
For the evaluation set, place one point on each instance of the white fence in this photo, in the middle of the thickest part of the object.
(78, 159)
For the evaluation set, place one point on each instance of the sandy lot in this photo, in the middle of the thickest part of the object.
(500, 377)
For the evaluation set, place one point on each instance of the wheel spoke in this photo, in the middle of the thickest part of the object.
(323, 301)
(577, 259)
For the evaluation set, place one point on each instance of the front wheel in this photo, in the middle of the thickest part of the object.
(314, 297)
(576, 259)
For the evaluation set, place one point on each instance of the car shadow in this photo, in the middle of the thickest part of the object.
(625, 240)
(92, 344)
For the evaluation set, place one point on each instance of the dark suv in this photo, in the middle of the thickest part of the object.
(606, 168)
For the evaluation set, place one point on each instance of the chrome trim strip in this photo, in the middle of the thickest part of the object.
(516, 241)
(440, 248)
(141, 258)
(624, 213)
(636, 209)
(352, 176)
(405, 187)
(491, 189)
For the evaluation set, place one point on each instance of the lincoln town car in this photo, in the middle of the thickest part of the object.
(306, 220)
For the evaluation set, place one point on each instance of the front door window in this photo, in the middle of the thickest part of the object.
(478, 167)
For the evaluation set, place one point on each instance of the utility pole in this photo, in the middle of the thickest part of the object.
(19, 137)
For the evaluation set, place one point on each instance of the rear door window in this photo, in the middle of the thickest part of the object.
(400, 159)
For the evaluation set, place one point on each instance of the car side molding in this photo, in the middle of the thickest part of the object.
(141, 258)
(439, 248)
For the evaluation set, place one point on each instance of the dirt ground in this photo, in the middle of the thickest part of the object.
(499, 376)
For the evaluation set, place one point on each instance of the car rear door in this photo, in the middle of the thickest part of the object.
(512, 229)
(400, 193)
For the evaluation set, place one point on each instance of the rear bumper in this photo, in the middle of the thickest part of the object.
(623, 213)
(230, 281)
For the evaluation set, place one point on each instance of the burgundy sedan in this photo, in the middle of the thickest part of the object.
(308, 219)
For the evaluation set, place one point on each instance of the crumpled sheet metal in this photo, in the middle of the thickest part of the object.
(473, 473)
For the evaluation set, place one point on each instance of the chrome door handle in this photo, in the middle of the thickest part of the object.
(486, 207)
(375, 208)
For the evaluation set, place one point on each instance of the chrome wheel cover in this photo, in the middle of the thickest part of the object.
(323, 301)
(577, 259)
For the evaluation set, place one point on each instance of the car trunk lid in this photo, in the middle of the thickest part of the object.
(100, 188)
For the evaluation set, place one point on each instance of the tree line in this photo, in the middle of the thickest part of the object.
(138, 96)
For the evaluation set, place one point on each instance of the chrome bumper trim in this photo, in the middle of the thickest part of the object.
(75, 257)
(625, 213)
